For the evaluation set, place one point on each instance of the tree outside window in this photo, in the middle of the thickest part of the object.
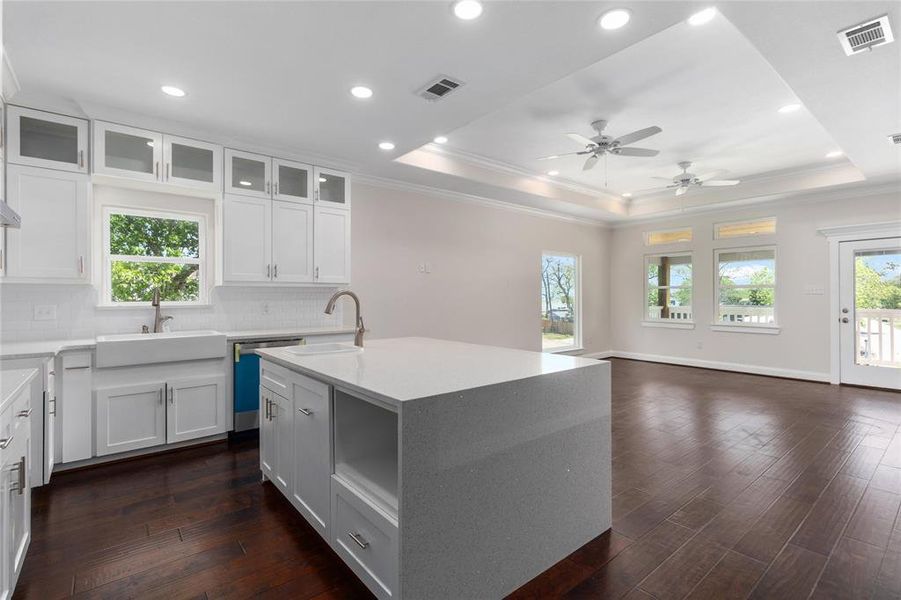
(559, 301)
(746, 282)
(668, 285)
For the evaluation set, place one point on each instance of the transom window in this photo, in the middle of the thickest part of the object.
(560, 318)
(668, 287)
(144, 250)
(746, 286)
(668, 236)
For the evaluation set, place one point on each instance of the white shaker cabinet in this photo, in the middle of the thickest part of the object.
(311, 462)
(292, 242)
(331, 245)
(15, 489)
(247, 247)
(43, 139)
(267, 435)
(130, 417)
(197, 408)
(332, 188)
(292, 181)
(192, 163)
(53, 243)
(276, 441)
(248, 174)
(74, 406)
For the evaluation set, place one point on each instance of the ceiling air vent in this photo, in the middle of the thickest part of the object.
(866, 36)
(439, 88)
(895, 138)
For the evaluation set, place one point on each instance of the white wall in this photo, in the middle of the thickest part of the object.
(802, 347)
(484, 285)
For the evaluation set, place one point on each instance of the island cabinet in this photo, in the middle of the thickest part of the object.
(438, 469)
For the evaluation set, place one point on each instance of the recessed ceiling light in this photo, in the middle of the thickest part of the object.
(468, 9)
(789, 108)
(322, 180)
(386, 145)
(552, 173)
(627, 195)
(440, 140)
(361, 91)
(702, 17)
(614, 19)
(171, 90)
(245, 183)
(834, 154)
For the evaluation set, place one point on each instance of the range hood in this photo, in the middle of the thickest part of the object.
(9, 217)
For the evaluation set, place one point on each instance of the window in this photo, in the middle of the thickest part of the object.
(746, 286)
(667, 236)
(560, 327)
(668, 287)
(144, 250)
(744, 228)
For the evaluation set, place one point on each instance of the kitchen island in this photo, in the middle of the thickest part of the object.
(440, 469)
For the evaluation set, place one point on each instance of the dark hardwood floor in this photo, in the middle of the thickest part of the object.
(725, 486)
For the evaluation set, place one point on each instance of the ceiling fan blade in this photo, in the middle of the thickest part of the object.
(581, 139)
(670, 179)
(553, 156)
(720, 182)
(681, 190)
(636, 152)
(591, 162)
(710, 175)
(631, 138)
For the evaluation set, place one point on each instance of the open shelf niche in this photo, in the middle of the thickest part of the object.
(366, 449)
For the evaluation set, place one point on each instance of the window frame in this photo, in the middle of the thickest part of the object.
(719, 325)
(716, 228)
(673, 323)
(107, 258)
(577, 303)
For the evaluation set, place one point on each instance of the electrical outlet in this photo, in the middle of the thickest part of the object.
(428, 267)
(45, 312)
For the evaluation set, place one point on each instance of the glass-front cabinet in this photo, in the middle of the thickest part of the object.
(192, 163)
(248, 174)
(43, 139)
(332, 187)
(293, 181)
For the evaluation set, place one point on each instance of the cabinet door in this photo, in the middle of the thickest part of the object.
(17, 497)
(332, 188)
(42, 139)
(312, 470)
(129, 152)
(292, 242)
(267, 435)
(293, 181)
(196, 408)
(283, 417)
(246, 239)
(75, 409)
(49, 409)
(331, 232)
(248, 174)
(192, 163)
(130, 417)
(53, 240)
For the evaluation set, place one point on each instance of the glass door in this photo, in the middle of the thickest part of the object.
(293, 181)
(870, 320)
(332, 188)
(248, 174)
(42, 139)
(127, 152)
(192, 163)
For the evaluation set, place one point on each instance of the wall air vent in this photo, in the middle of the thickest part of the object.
(866, 36)
(440, 87)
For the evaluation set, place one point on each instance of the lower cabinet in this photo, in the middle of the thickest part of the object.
(131, 417)
(311, 464)
(15, 491)
(276, 440)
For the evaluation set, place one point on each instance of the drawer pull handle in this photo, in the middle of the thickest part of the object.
(5, 442)
(53, 401)
(20, 484)
(24, 414)
(360, 541)
(306, 411)
(76, 368)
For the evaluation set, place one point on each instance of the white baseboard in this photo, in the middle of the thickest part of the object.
(715, 364)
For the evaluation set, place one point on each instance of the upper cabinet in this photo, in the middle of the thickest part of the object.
(42, 139)
(332, 188)
(248, 174)
(276, 178)
(293, 181)
(144, 155)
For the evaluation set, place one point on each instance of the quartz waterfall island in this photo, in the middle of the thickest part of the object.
(440, 469)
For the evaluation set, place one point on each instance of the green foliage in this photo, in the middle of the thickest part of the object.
(134, 281)
(876, 289)
(762, 296)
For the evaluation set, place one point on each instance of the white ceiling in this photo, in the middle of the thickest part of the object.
(277, 74)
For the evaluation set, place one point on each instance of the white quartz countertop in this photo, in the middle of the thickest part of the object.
(38, 349)
(401, 369)
(12, 381)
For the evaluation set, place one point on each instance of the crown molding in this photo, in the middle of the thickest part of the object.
(871, 230)
(396, 184)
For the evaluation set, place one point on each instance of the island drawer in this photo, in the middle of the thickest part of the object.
(366, 538)
(275, 378)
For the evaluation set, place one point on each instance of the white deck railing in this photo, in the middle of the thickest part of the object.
(680, 313)
(878, 335)
(758, 315)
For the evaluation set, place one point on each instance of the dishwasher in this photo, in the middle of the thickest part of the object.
(247, 380)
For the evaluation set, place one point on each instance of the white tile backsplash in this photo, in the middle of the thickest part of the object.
(231, 309)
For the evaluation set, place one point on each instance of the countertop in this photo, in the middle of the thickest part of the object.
(402, 369)
(12, 382)
(53, 347)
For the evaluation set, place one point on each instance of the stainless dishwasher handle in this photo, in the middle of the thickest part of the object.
(360, 541)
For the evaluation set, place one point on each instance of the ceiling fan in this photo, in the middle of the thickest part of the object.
(601, 144)
(685, 180)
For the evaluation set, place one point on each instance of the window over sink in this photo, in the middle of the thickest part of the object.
(143, 250)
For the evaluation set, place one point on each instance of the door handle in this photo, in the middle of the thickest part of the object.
(171, 395)
(276, 188)
(267, 187)
(844, 319)
(156, 170)
(268, 271)
(167, 171)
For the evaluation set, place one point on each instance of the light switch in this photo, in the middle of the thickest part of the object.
(45, 312)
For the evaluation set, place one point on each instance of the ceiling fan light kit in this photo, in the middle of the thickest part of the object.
(602, 144)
